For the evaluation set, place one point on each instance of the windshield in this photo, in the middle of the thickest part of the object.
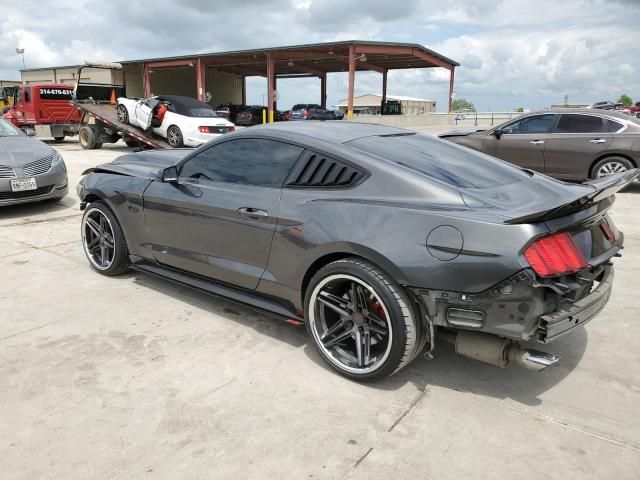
(440, 160)
(8, 130)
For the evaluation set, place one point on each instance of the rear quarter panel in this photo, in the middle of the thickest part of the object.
(391, 234)
(627, 145)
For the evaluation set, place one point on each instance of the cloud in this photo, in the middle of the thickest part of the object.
(512, 53)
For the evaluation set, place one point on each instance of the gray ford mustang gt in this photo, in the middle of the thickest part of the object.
(379, 239)
(30, 170)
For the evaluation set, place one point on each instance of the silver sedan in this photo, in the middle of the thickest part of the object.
(30, 170)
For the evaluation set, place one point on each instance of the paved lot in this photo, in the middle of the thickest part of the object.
(134, 377)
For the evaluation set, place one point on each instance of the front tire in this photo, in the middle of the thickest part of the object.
(361, 321)
(123, 114)
(58, 139)
(174, 137)
(103, 241)
(610, 166)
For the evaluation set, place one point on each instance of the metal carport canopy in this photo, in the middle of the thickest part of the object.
(311, 60)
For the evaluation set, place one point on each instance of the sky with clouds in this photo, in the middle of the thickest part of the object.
(512, 52)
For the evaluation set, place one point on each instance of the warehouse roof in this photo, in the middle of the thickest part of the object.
(316, 57)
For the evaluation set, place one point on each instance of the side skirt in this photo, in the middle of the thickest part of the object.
(244, 297)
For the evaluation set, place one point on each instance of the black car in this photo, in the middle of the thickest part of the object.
(378, 239)
(311, 111)
(251, 116)
(231, 111)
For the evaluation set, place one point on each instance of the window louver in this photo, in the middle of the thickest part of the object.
(316, 170)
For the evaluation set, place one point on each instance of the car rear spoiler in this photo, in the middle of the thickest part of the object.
(603, 188)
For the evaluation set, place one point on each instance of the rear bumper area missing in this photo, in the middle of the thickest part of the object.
(556, 324)
(522, 308)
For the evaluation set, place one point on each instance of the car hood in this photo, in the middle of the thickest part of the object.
(462, 132)
(18, 151)
(143, 164)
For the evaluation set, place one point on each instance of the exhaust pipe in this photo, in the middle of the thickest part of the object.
(497, 351)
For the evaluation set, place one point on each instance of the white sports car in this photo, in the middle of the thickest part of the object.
(183, 121)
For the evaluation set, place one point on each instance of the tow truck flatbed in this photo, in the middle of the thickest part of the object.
(106, 114)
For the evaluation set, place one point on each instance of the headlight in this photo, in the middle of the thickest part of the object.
(57, 160)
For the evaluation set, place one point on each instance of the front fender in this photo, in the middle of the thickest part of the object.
(123, 195)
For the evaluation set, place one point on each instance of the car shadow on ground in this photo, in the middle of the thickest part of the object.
(633, 188)
(447, 369)
(26, 210)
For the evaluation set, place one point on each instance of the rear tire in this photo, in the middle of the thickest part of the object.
(87, 138)
(382, 320)
(131, 143)
(610, 166)
(174, 137)
(103, 241)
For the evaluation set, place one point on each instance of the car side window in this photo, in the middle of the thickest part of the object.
(532, 124)
(573, 123)
(260, 162)
(614, 126)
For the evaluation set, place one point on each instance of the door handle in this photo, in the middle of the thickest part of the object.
(536, 142)
(598, 140)
(251, 212)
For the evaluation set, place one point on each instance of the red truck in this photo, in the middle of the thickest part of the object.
(45, 109)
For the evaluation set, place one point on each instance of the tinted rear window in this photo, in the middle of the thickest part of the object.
(441, 160)
(581, 124)
(614, 126)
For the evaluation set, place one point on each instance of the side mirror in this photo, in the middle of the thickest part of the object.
(497, 133)
(170, 175)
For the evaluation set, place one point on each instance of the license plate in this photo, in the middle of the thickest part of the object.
(23, 184)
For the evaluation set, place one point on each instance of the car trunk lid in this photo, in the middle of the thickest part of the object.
(541, 200)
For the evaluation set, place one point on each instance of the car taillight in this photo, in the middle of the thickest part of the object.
(203, 129)
(306, 113)
(232, 129)
(555, 255)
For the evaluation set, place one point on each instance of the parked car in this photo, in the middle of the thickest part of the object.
(377, 238)
(285, 116)
(185, 121)
(30, 170)
(570, 144)
(634, 109)
(230, 111)
(310, 111)
(251, 116)
(606, 105)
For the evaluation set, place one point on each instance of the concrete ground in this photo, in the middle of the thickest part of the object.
(135, 377)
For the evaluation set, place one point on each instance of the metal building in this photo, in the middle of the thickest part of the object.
(223, 74)
(370, 104)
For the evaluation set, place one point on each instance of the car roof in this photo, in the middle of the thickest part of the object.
(590, 111)
(332, 131)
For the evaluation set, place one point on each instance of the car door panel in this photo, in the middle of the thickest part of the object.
(218, 218)
(198, 226)
(143, 114)
(521, 142)
(572, 148)
(526, 151)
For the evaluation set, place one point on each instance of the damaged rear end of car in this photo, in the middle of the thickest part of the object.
(565, 280)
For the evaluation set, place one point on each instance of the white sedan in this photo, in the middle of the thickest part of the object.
(183, 121)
